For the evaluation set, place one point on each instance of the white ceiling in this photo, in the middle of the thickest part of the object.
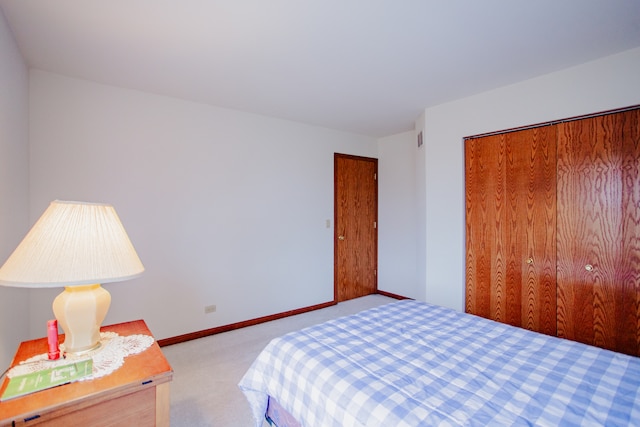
(365, 66)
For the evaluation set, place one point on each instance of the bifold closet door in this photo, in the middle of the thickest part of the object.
(510, 228)
(598, 238)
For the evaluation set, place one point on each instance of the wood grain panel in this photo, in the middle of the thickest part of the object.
(531, 181)
(482, 188)
(628, 304)
(597, 244)
(356, 208)
(510, 206)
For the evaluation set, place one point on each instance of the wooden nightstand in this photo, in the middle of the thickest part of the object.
(135, 394)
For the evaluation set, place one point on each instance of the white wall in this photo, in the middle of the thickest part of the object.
(223, 207)
(14, 207)
(605, 84)
(397, 216)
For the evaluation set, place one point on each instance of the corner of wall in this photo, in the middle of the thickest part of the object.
(14, 185)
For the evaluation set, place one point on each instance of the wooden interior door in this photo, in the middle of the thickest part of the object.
(356, 216)
(510, 228)
(599, 231)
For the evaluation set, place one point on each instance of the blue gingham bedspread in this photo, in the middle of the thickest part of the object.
(410, 363)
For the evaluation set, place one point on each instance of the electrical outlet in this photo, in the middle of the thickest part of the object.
(209, 309)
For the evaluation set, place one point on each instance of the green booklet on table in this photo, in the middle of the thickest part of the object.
(47, 378)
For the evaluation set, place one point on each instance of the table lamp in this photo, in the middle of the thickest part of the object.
(79, 246)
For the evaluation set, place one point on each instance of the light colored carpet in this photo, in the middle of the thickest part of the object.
(205, 392)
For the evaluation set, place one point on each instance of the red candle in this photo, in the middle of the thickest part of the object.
(52, 336)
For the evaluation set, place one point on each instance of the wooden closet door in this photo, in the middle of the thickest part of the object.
(599, 231)
(510, 228)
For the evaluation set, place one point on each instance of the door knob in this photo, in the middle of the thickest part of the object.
(588, 267)
(529, 260)
(340, 237)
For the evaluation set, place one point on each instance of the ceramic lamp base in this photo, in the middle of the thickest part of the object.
(80, 311)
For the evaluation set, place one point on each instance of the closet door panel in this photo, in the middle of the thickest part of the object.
(628, 303)
(484, 194)
(510, 207)
(575, 223)
(597, 241)
(533, 202)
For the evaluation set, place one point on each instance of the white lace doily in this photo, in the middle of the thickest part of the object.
(106, 358)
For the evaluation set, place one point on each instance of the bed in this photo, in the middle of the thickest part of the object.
(411, 363)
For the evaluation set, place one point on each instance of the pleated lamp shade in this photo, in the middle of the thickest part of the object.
(79, 246)
(73, 243)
